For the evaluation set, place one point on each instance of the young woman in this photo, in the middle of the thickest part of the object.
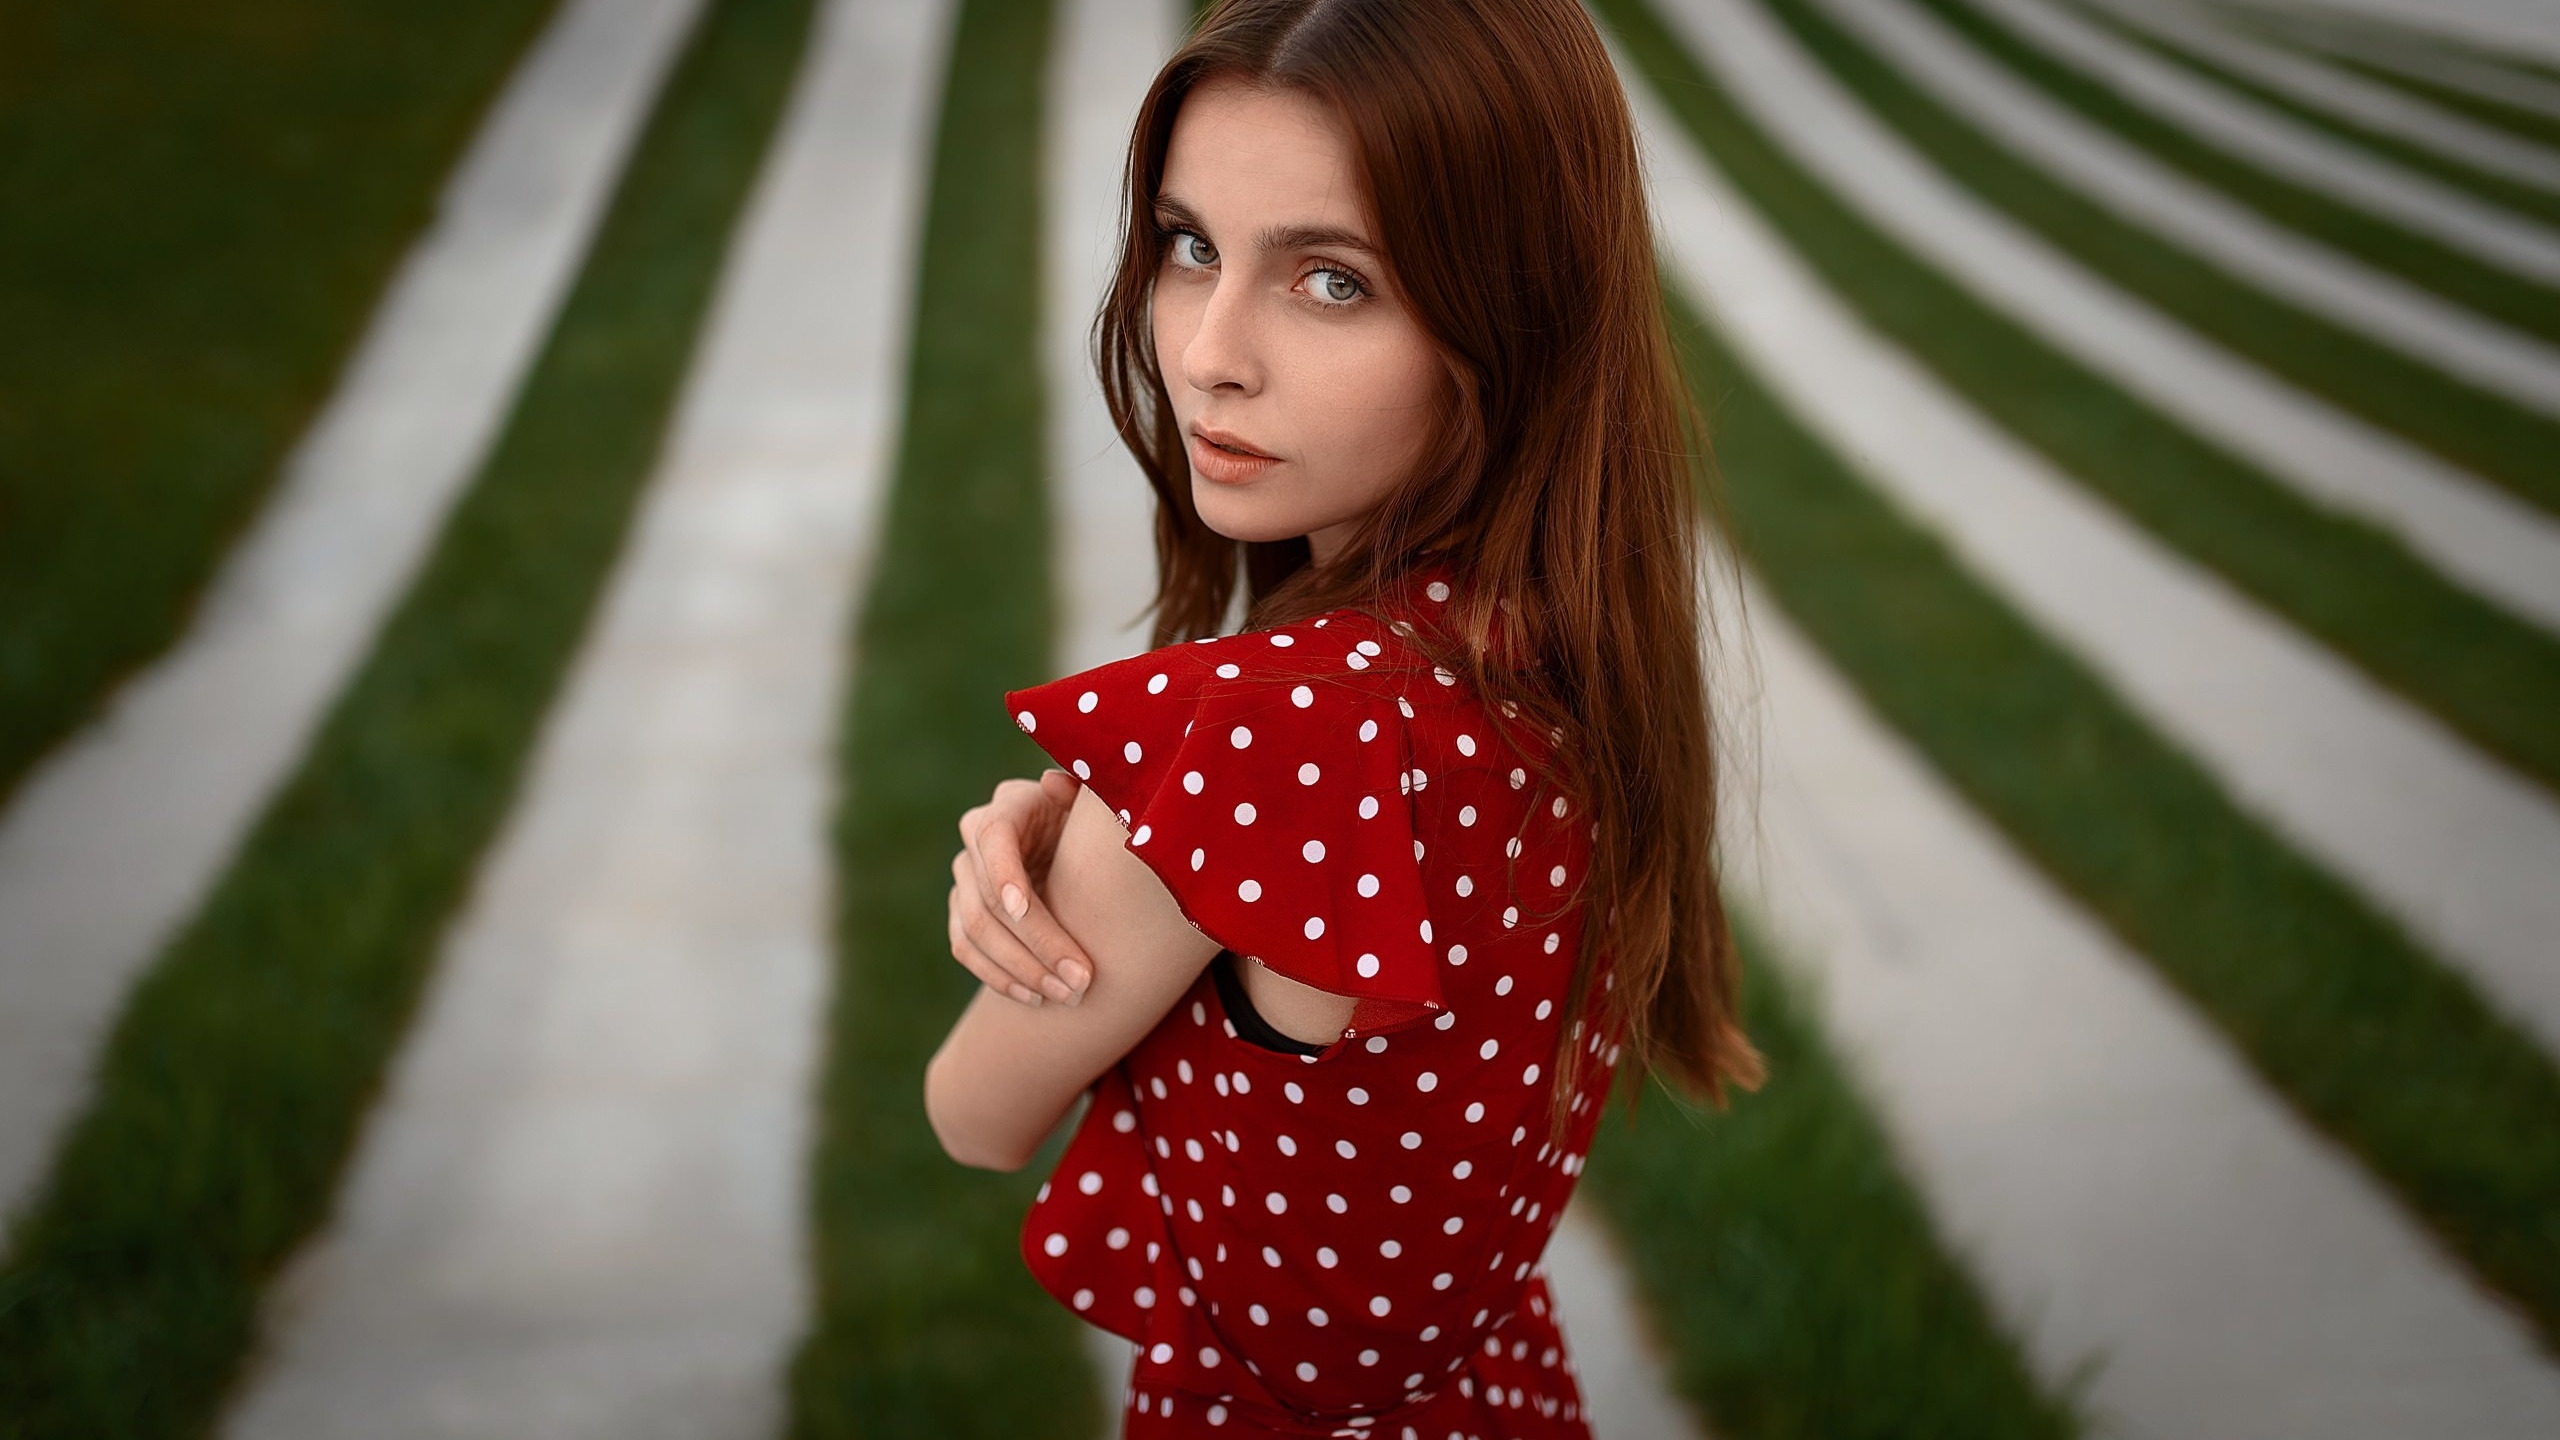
(1350, 913)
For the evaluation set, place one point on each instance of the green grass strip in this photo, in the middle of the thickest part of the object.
(2487, 434)
(1791, 1271)
(2487, 674)
(206, 201)
(2344, 1015)
(929, 1325)
(2302, 34)
(2525, 200)
(235, 1082)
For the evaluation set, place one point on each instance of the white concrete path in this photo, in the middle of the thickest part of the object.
(1621, 1368)
(2475, 534)
(579, 1208)
(2458, 849)
(2347, 96)
(2145, 193)
(2528, 29)
(2229, 120)
(2452, 71)
(2113, 1174)
(117, 838)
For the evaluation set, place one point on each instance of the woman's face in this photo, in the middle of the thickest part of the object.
(1277, 326)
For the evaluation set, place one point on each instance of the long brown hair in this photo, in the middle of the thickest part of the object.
(1500, 162)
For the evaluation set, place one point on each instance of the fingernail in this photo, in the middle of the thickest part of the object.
(1075, 973)
(1057, 989)
(1013, 903)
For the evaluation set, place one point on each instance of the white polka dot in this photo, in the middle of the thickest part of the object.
(1457, 954)
(1296, 1095)
(1197, 856)
(1356, 660)
(1377, 1044)
(1284, 640)
(1426, 931)
(1218, 1413)
(1245, 813)
(1443, 676)
(1511, 847)
(1357, 1096)
(1411, 1140)
(1141, 837)
(1475, 1111)
(1447, 1019)
(1368, 728)
(1240, 737)
(1161, 1353)
(1055, 1244)
(1277, 1202)
(1519, 778)
(1368, 807)
(1488, 1048)
(1315, 927)
(1249, 890)
(1406, 706)
(1192, 781)
(1229, 671)
(1083, 771)
(1369, 647)
(1156, 683)
(1089, 1182)
(1452, 1225)
(1302, 697)
(1030, 722)
(1544, 1006)
(1510, 916)
(1118, 1239)
(1367, 965)
(1326, 1258)
(1086, 701)
(1337, 1204)
(1084, 1299)
(1466, 744)
(1502, 986)
(1131, 753)
(1441, 1280)
(1368, 886)
(1559, 807)
(1529, 1076)
(1306, 1370)
(1288, 1144)
(1466, 885)
(1313, 850)
(1308, 774)
(1553, 940)
(1466, 814)
(1208, 1355)
(1260, 1315)
(1556, 876)
(1462, 1169)
(1192, 1149)
(1400, 1194)
(1437, 590)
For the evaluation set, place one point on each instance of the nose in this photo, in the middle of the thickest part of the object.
(1222, 350)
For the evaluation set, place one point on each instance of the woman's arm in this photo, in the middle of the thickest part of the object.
(1007, 1072)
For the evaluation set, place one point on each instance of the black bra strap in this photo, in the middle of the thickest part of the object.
(1248, 1021)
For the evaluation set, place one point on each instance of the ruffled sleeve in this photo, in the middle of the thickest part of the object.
(1264, 777)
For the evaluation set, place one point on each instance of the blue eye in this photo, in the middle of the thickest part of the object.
(1334, 290)
(1183, 237)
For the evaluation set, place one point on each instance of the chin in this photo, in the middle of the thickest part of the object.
(1238, 517)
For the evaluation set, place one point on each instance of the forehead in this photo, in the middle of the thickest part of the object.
(1244, 154)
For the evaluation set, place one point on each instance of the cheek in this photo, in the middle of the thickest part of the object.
(1374, 401)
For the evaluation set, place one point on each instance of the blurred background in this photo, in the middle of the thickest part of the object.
(516, 517)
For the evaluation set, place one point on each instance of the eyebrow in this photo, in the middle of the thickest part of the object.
(1275, 238)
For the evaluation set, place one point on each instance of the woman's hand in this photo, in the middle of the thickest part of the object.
(1001, 931)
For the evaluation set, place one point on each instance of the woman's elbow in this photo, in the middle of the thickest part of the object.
(956, 1140)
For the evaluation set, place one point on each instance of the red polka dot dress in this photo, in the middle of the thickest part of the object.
(1343, 1243)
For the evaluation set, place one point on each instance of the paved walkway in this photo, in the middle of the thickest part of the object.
(2116, 1178)
(2457, 848)
(2474, 533)
(2346, 95)
(117, 837)
(2145, 193)
(2278, 143)
(579, 1209)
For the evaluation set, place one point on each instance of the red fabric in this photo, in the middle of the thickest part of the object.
(1296, 1241)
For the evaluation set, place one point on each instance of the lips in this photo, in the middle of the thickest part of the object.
(1228, 441)
(1226, 467)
